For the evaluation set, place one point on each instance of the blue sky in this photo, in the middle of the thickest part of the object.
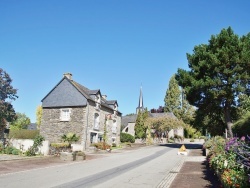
(114, 46)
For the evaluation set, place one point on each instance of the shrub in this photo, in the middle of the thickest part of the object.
(1, 148)
(59, 145)
(242, 126)
(127, 138)
(15, 152)
(8, 150)
(23, 134)
(102, 145)
(70, 138)
(38, 141)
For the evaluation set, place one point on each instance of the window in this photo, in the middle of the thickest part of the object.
(114, 127)
(65, 114)
(96, 121)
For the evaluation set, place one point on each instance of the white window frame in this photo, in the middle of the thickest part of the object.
(65, 114)
(96, 121)
(114, 126)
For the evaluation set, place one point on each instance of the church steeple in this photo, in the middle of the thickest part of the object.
(140, 105)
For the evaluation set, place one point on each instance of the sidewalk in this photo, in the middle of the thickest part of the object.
(192, 172)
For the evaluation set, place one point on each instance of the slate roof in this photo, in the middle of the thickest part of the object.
(128, 119)
(87, 93)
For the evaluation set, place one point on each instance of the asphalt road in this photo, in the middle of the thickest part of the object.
(144, 167)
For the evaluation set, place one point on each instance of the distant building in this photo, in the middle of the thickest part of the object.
(128, 121)
(71, 107)
(32, 126)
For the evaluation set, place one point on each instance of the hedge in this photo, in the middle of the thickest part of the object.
(23, 134)
(127, 138)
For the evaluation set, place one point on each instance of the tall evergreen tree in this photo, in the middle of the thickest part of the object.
(219, 72)
(172, 99)
(140, 126)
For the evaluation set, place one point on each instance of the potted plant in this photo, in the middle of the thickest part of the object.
(70, 138)
(80, 155)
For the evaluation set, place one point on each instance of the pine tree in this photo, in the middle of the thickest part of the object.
(140, 127)
(219, 72)
(172, 99)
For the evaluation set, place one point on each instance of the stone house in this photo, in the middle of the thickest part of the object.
(71, 107)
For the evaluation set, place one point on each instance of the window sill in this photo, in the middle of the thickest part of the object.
(64, 120)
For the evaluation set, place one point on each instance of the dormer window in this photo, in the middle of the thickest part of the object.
(65, 114)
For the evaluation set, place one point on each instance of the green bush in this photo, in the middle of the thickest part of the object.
(38, 141)
(15, 152)
(8, 150)
(23, 134)
(127, 138)
(191, 140)
(59, 145)
(242, 126)
(1, 148)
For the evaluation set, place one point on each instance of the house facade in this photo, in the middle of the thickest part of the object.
(71, 107)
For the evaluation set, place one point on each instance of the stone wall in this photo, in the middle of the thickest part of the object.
(81, 118)
(103, 111)
(52, 128)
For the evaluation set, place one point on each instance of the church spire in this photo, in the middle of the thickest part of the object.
(140, 105)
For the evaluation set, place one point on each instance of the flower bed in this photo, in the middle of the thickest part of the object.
(230, 160)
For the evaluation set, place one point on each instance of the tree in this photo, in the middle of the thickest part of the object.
(21, 122)
(244, 105)
(175, 102)
(219, 72)
(140, 127)
(39, 113)
(7, 94)
(172, 98)
(164, 123)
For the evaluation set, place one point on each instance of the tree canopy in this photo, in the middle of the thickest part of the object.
(172, 98)
(176, 103)
(219, 72)
(21, 122)
(7, 94)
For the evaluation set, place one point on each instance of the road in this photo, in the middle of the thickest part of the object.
(144, 167)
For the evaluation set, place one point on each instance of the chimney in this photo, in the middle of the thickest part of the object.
(104, 96)
(68, 75)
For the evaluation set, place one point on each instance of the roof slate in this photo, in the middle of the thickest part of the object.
(87, 93)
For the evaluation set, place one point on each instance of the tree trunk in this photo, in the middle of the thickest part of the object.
(228, 120)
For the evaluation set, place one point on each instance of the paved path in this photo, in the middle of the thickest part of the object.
(142, 167)
(176, 176)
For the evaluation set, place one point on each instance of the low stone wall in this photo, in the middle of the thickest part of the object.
(25, 144)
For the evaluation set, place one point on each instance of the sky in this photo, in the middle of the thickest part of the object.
(115, 46)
